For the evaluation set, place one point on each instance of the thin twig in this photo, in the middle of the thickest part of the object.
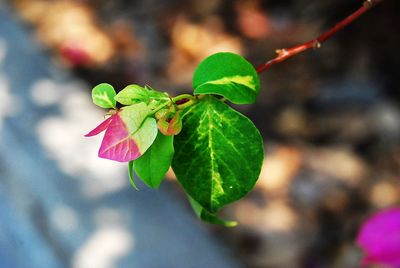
(285, 53)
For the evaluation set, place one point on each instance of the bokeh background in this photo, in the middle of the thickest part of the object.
(330, 119)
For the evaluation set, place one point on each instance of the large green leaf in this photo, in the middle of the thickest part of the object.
(218, 154)
(103, 95)
(204, 215)
(152, 166)
(229, 75)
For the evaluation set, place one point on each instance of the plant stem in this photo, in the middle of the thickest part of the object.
(183, 101)
(183, 96)
(190, 101)
(165, 104)
(285, 53)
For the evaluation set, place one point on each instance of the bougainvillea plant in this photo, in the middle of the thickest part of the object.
(215, 152)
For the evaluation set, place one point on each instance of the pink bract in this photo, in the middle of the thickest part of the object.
(100, 128)
(379, 237)
(117, 145)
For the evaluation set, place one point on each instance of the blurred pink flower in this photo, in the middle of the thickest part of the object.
(379, 237)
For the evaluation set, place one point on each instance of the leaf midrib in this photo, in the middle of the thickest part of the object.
(104, 97)
(212, 157)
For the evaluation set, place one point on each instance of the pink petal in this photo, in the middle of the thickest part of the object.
(379, 237)
(116, 144)
(100, 127)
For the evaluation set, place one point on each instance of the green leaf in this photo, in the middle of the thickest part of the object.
(152, 166)
(134, 94)
(131, 178)
(218, 154)
(229, 75)
(103, 96)
(204, 215)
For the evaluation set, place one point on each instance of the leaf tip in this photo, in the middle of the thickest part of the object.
(100, 128)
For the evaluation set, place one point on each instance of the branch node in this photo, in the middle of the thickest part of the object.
(317, 44)
(281, 52)
(371, 3)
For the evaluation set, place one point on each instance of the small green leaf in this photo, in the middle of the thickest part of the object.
(131, 178)
(218, 154)
(229, 75)
(134, 94)
(204, 215)
(103, 96)
(153, 165)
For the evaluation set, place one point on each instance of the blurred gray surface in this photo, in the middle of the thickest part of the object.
(46, 219)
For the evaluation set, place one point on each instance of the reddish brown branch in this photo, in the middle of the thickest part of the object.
(285, 53)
